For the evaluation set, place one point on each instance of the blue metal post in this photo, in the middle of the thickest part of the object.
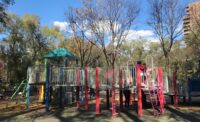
(47, 86)
(132, 73)
(50, 86)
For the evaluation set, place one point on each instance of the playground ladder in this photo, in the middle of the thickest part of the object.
(154, 99)
(23, 83)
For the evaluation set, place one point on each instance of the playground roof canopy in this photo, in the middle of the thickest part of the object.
(60, 53)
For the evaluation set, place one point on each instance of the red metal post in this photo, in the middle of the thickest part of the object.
(86, 88)
(161, 95)
(97, 92)
(120, 87)
(139, 90)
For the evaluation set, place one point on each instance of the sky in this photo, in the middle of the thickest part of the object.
(51, 13)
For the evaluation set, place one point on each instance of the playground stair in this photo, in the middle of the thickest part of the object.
(154, 99)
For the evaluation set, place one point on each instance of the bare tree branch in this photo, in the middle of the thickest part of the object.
(165, 19)
(108, 22)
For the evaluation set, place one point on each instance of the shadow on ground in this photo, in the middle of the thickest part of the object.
(8, 116)
(72, 114)
(185, 115)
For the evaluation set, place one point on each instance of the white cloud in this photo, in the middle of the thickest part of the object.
(144, 34)
(152, 39)
(63, 26)
(104, 27)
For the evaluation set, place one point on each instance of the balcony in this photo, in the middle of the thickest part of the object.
(186, 22)
(187, 9)
(186, 33)
(186, 29)
(186, 26)
(186, 17)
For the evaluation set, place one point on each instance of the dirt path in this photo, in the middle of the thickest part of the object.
(71, 114)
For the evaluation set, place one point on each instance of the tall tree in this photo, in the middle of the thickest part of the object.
(165, 19)
(36, 42)
(53, 36)
(82, 48)
(85, 51)
(132, 51)
(25, 45)
(3, 14)
(15, 49)
(140, 49)
(80, 36)
(107, 23)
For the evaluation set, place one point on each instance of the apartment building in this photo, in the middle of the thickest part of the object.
(192, 17)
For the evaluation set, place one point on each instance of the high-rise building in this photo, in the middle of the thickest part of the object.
(191, 18)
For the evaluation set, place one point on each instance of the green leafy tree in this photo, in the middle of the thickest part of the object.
(140, 50)
(12, 53)
(36, 42)
(25, 45)
(54, 37)
(3, 14)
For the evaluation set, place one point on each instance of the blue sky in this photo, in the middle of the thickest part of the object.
(51, 11)
(48, 10)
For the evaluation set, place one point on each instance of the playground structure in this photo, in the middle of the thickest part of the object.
(108, 79)
(58, 84)
(62, 79)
